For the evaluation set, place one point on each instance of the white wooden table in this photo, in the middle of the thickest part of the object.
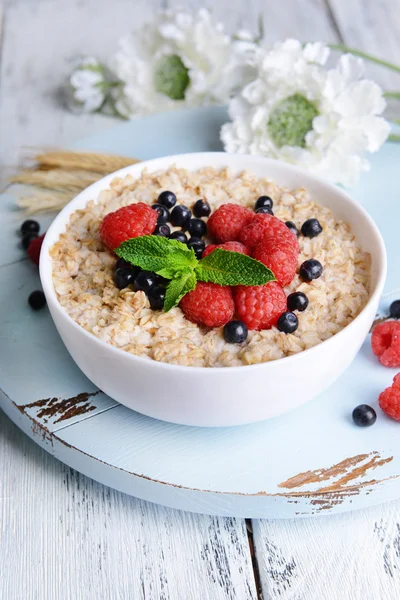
(65, 537)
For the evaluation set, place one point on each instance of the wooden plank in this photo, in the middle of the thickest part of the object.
(355, 555)
(69, 537)
(374, 27)
(307, 20)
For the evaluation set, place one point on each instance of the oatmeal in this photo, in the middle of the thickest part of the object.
(83, 270)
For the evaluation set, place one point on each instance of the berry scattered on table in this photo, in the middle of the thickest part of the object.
(208, 304)
(198, 245)
(311, 269)
(264, 202)
(287, 322)
(227, 222)
(180, 216)
(28, 239)
(123, 277)
(231, 246)
(259, 307)
(180, 236)
(394, 310)
(385, 341)
(167, 199)
(235, 332)
(156, 296)
(297, 301)
(145, 281)
(34, 248)
(364, 415)
(311, 228)
(30, 226)
(37, 300)
(264, 210)
(290, 225)
(389, 399)
(201, 208)
(126, 223)
(162, 212)
(197, 228)
(262, 226)
(162, 229)
(278, 255)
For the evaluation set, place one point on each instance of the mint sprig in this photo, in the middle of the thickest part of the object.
(175, 261)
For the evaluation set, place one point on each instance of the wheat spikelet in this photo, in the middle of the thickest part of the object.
(44, 201)
(56, 179)
(85, 161)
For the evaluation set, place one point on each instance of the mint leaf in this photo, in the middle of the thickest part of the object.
(156, 253)
(232, 268)
(177, 288)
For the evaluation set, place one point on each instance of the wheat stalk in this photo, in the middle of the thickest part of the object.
(44, 201)
(56, 179)
(85, 161)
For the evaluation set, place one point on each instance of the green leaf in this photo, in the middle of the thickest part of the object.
(156, 253)
(232, 268)
(177, 288)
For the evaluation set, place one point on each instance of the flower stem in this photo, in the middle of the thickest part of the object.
(395, 95)
(370, 57)
(394, 138)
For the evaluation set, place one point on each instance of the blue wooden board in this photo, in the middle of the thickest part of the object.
(311, 461)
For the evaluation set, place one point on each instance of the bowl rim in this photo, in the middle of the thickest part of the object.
(92, 192)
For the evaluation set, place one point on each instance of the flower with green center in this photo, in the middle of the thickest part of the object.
(180, 60)
(171, 77)
(87, 86)
(291, 120)
(299, 111)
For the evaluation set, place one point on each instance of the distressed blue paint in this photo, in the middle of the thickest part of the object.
(221, 471)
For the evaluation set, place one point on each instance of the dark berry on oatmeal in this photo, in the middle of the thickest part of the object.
(37, 300)
(145, 281)
(197, 228)
(394, 310)
(198, 246)
(180, 236)
(290, 225)
(201, 208)
(180, 216)
(364, 415)
(167, 199)
(163, 213)
(311, 269)
(264, 210)
(156, 296)
(297, 301)
(235, 332)
(162, 229)
(287, 322)
(123, 277)
(311, 228)
(30, 226)
(264, 202)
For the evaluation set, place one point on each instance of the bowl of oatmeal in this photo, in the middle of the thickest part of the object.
(170, 366)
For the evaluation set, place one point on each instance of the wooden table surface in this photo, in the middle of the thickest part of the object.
(65, 537)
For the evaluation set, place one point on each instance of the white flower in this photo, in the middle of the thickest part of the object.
(180, 60)
(86, 86)
(298, 111)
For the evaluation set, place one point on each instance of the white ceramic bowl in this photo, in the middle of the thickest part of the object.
(231, 395)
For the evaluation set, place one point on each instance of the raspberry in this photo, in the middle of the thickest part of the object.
(277, 254)
(209, 304)
(34, 249)
(232, 246)
(126, 223)
(389, 399)
(226, 223)
(385, 343)
(260, 307)
(263, 225)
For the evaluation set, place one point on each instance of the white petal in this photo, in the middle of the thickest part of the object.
(351, 67)
(316, 52)
(360, 98)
